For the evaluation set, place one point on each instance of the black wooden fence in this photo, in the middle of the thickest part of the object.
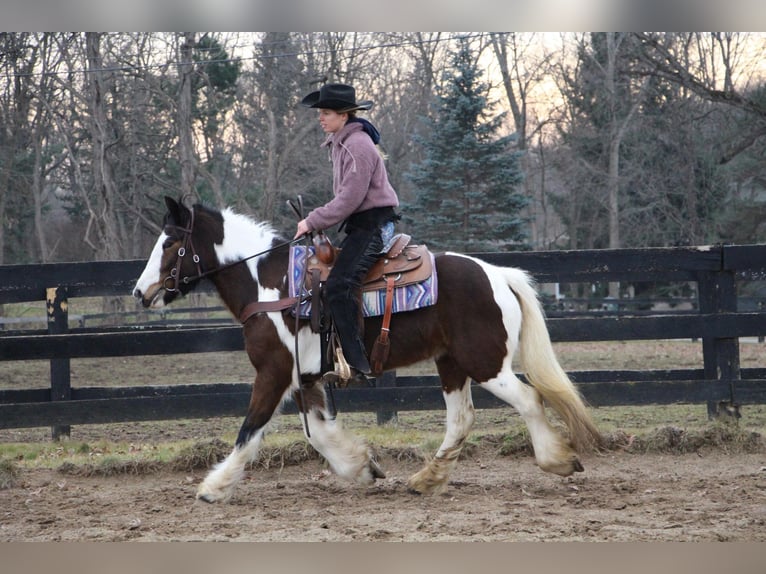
(715, 270)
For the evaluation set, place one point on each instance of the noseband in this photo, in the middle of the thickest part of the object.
(188, 246)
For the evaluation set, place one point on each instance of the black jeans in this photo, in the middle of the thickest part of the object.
(360, 249)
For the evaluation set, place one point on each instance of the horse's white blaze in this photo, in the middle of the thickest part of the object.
(348, 455)
(149, 282)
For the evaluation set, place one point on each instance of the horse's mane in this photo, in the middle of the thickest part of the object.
(243, 235)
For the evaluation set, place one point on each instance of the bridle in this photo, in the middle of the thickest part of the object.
(188, 247)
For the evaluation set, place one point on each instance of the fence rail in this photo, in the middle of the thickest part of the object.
(715, 319)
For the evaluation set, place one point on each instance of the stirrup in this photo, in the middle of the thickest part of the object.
(332, 379)
(343, 368)
(342, 374)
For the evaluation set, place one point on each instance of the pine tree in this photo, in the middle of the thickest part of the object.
(466, 196)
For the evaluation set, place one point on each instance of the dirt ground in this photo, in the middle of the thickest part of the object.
(703, 496)
(709, 494)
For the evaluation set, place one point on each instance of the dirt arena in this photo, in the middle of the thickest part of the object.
(713, 491)
(710, 495)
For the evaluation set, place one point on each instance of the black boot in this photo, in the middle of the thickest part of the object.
(356, 355)
(352, 345)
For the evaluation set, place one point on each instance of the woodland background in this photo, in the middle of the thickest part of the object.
(606, 140)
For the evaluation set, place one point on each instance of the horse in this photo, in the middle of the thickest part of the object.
(483, 313)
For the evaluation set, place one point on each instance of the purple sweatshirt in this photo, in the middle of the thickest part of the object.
(359, 178)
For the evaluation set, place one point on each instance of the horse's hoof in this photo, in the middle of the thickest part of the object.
(564, 467)
(426, 486)
(376, 471)
(212, 496)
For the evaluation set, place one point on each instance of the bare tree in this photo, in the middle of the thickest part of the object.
(720, 67)
(186, 154)
(604, 96)
(405, 93)
(525, 64)
(103, 207)
(40, 127)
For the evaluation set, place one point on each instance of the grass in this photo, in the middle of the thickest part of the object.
(9, 474)
(674, 429)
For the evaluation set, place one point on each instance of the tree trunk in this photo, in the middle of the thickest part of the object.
(184, 118)
(268, 204)
(104, 212)
(38, 184)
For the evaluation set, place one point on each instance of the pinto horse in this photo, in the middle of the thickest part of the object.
(483, 312)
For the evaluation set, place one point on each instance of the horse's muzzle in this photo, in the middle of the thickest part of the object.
(146, 302)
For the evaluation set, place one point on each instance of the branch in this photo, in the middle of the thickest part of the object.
(664, 64)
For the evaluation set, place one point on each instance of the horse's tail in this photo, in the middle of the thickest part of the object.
(542, 368)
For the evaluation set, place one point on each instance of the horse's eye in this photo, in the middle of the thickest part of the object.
(168, 242)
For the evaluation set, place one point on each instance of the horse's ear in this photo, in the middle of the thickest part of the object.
(174, 209)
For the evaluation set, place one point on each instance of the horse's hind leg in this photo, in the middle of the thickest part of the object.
(553, 452)
(348, 455)
(433, 477)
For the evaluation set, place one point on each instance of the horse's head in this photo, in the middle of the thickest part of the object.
(174, 265)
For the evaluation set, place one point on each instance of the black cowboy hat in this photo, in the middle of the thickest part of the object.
(338, 97)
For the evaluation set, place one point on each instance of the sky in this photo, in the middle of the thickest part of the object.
(399, 15)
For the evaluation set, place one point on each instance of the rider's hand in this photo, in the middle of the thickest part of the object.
(302, 229)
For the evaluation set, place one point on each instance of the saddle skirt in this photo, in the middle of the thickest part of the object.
(412, 267)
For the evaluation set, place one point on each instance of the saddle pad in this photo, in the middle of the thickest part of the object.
(406, 297)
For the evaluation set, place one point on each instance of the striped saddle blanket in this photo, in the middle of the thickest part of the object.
(415, 286)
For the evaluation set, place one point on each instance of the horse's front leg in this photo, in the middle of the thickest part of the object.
(349, 456)
(268, 391)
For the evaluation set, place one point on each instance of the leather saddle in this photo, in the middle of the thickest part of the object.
(403, 262)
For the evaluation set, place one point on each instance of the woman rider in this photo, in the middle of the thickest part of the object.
(363, 201)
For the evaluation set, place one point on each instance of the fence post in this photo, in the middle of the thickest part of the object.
(58, 323)
(718, 294)
(386, 379)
